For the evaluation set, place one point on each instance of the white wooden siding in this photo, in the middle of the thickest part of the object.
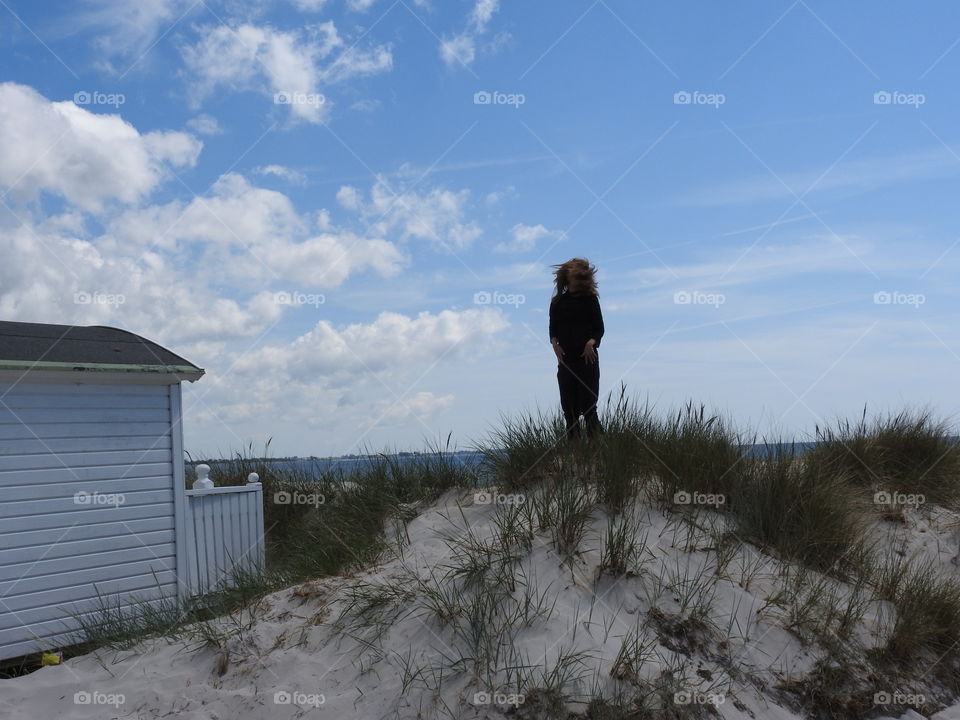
(58, 439)
(224, 534)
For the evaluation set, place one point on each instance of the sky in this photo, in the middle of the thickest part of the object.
(346, 211)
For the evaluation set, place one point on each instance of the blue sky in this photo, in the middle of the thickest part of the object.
(767, 189)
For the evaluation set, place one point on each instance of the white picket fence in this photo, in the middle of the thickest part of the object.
(224, 532)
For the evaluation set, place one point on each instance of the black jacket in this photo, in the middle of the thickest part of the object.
(574, 319)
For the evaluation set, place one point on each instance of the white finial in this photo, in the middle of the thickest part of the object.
(203, 482)
(253, 478)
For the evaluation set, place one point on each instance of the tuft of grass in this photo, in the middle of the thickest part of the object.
(800, 509)
(694, 452)
(564, 508)
(341, 531)
(623, 546)
(909, 451)
(524, 451)
(927, 606)
(625, 453)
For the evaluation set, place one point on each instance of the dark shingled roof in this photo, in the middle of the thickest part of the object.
(39, 346)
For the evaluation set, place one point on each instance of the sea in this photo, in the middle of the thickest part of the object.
(348, 464)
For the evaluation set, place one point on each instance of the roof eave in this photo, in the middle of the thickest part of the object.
(184, 372)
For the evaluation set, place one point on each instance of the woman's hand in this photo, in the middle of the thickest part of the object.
(589, 354)
(558, 351)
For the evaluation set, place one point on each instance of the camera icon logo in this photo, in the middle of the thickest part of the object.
(482, 98)
(882, 497)
(882, 97)
(682, 98)
(282, 98)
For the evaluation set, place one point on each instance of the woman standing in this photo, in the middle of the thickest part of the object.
(576, 327)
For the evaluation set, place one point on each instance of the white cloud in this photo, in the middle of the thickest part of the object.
(62, 277)
(255, 235)
(458, 49)
(309, 5)
(482, 13)
(437, 215)
(284, 173)
(286, 66)
(365, 105)
(87, 158)
(393, 344)
(349, 197)
(130, 28)
(525, 238)
(204, 124)
(420, 405)
(461, 48)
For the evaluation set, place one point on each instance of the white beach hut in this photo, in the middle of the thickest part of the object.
(92, 493)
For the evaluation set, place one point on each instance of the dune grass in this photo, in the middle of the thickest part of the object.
(340, 528)
(800, 510)
(910, 451)
(806, 514)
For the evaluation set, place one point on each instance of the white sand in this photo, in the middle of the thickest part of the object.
(291, 645)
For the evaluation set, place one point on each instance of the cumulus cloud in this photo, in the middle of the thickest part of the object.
(438, 215)
(129, 29)
(65, 277)
(421, 404)
(292, 176)
(253, 234)
(292, 68)
(344, 356)
(524, 238)
(461, 48)
(88, 159)
(204, 124)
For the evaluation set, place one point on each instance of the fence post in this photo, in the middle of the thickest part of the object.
(203, 482)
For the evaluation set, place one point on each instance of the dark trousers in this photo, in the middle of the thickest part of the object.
(579, 389)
